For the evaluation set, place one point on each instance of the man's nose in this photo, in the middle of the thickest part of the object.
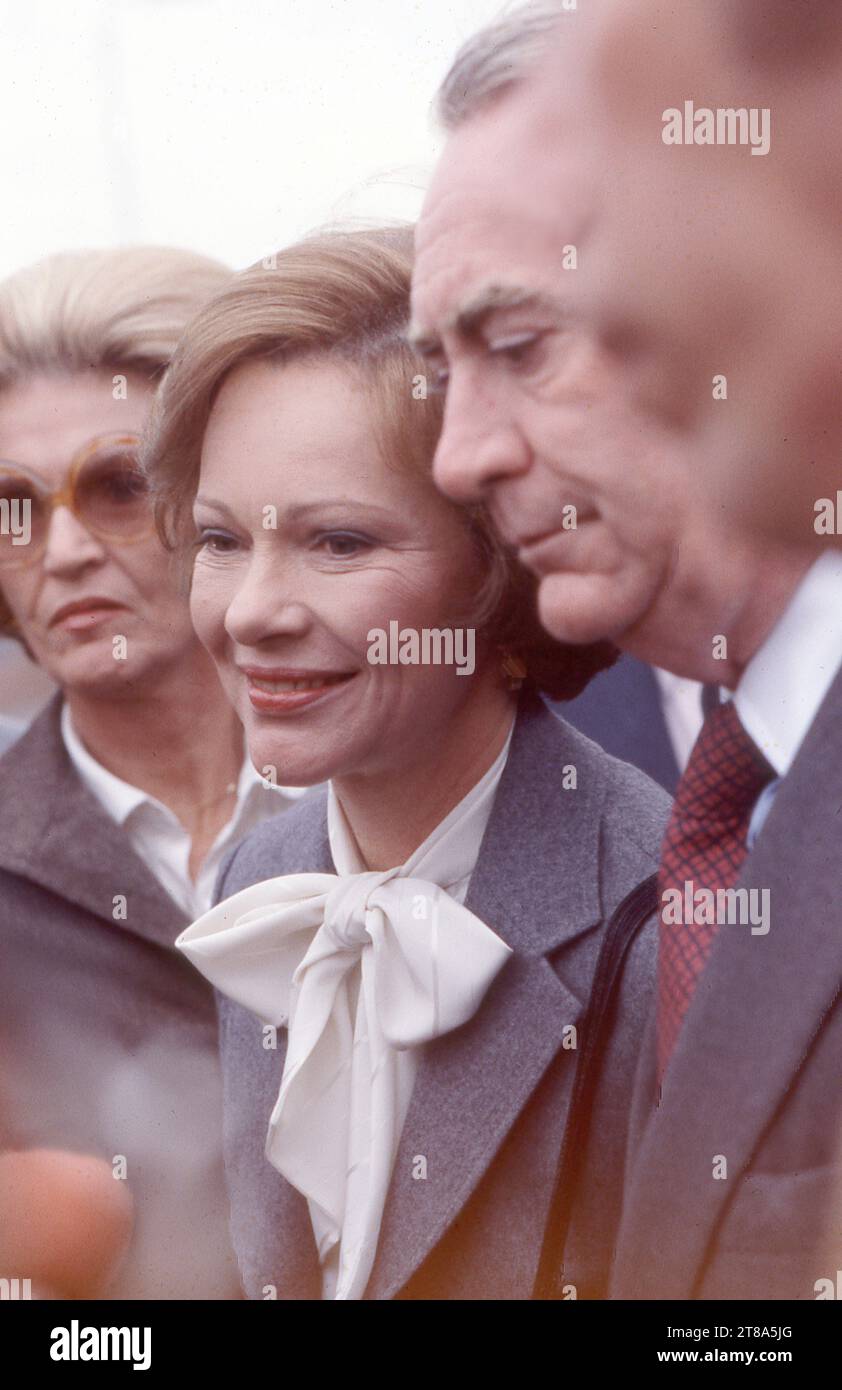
(480, 445)
(69, 545)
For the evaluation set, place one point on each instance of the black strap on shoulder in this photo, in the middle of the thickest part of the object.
(626, 922)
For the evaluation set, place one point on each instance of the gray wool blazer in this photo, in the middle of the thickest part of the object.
(108, 1039)
(491, 1098)
(755, 1077)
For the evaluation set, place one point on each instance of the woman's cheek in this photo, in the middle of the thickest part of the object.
(209, 601)
(365, 601)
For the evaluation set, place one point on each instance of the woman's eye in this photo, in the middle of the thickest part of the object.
(122, 486)
(215, 542)
(343, 545)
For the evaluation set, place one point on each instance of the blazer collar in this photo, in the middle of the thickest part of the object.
(540, 833)
(54, 832)
(536, 883)
(732, 1064)
(536, 823)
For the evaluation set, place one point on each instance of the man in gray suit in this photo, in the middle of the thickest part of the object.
(734, 1162)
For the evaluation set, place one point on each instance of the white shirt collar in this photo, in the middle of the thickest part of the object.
(785, 682)
(120, 798)
(158, 836)
(681, 705)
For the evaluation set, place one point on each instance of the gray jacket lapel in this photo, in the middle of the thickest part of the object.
(750, 1026)
(55, 833)
(270, 1220)
(473, 1084)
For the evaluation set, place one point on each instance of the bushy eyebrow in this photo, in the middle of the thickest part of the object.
(468, 318)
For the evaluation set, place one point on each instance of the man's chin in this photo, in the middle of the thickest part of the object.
(580, 609)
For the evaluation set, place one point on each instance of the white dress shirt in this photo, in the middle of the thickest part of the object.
(157, 835)
(681, 703)
(783, 685)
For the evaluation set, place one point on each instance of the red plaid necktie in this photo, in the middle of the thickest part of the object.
(705, 845)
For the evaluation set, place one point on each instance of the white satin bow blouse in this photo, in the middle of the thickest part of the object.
(364, 968)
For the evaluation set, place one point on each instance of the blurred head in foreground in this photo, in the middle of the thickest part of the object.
(711, 257)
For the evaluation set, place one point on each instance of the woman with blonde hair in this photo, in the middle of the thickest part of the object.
(120, 800)
(408, 955)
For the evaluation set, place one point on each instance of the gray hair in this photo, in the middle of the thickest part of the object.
(122, 307)
(118, 308)
(495, 59)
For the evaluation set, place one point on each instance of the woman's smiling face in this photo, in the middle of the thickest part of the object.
(306, 540)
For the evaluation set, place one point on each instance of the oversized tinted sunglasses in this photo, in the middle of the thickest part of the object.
(104, 489)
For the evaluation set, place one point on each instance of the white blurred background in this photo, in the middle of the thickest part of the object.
(227, 126)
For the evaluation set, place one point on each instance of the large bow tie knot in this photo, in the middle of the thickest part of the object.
(366, 968)
(347, 908)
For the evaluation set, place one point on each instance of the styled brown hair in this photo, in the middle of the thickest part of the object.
(343, 295)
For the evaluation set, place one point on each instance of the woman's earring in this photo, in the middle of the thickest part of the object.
(514, 670)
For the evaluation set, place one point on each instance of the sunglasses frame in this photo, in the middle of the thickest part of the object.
(66, 496)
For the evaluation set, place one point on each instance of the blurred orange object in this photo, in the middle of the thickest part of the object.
(65, 1221)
